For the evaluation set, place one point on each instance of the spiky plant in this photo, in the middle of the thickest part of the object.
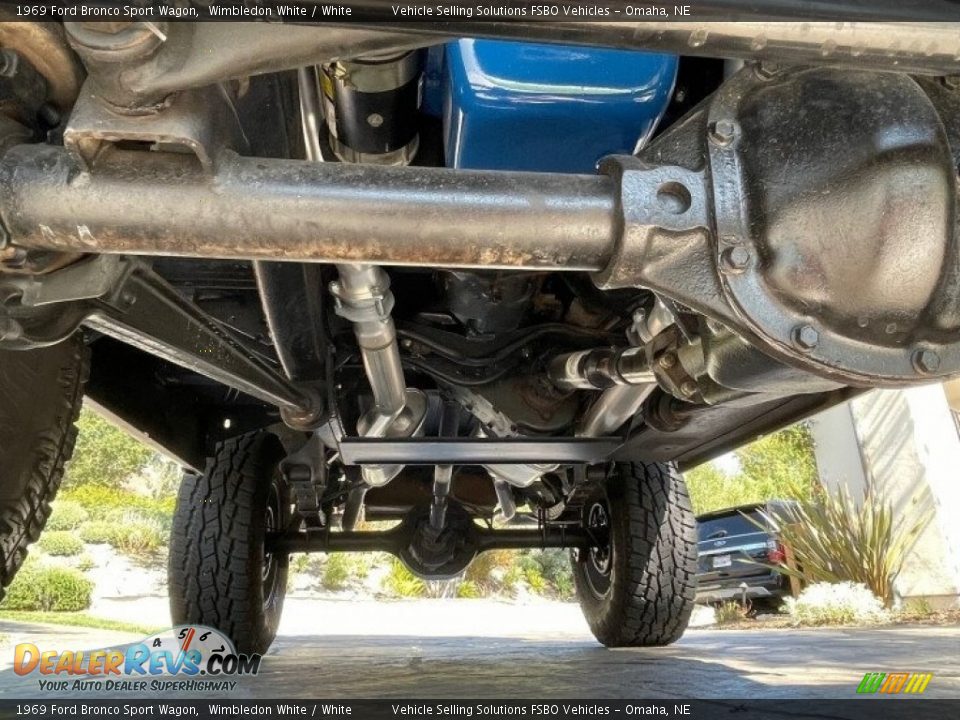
(834, 538)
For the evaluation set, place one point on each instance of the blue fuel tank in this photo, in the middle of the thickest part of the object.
(559, 108)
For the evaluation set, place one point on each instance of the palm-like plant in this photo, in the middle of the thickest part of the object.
(832, 538)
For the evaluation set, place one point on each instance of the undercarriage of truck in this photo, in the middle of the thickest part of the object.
(441, 291)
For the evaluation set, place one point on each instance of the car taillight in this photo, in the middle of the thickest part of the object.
(775, 552)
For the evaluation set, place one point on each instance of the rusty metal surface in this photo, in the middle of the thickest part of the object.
(44, 45)
(165, 204)
(203, 53)
(202, 122)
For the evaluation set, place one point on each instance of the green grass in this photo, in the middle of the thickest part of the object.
(77, 619)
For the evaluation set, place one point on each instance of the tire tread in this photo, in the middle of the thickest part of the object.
(653, 595)
(215, 562)
(24, 515)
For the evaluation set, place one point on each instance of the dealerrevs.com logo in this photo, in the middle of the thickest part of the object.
(184, 658)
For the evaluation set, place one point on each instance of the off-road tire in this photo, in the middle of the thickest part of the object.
(217, 559)
(652, 559)
(41, 392)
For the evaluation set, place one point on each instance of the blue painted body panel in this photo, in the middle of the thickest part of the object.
(523, 106)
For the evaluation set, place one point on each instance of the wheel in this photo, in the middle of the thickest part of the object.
(40, 396)
(219, 573)
(639, 588)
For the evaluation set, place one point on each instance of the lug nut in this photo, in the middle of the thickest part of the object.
(688, 388)
(926, 361)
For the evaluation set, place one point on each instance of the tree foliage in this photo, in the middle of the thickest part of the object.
(105, 455)
(780, 465)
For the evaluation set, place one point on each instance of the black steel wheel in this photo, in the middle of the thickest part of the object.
(220, 573)
(638, 588)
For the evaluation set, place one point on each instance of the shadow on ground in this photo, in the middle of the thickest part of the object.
(546, 665)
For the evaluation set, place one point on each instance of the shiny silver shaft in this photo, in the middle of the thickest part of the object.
(363, 296)
(601, 368)
(270, 209)
(613, 408)
(311, 111)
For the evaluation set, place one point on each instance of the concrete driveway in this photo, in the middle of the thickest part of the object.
(485, 649)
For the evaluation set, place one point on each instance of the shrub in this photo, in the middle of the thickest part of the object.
(362, 565)
(547, 572)
(468, 589)
(138, 536)
(488, 568)
(67, 515)
(131, 533)
(918, 606)
(106, 502)
(835, 539)
(39, 587)
(557, 571)
(730, 612)
(85, 563)
(60, 542)
(534, 576)
(299, 563)
(97, 531)
(512, 577)
(400, 582)
(336, 572)
(836, 604)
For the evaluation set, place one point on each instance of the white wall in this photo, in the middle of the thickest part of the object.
(907, 444)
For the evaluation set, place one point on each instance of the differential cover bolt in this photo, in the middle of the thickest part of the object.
(723, 132)
(805, 337)
(734, 260)
(766, 70)
(926, 361)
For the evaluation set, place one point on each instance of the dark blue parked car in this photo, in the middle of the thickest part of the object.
(735, 555)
